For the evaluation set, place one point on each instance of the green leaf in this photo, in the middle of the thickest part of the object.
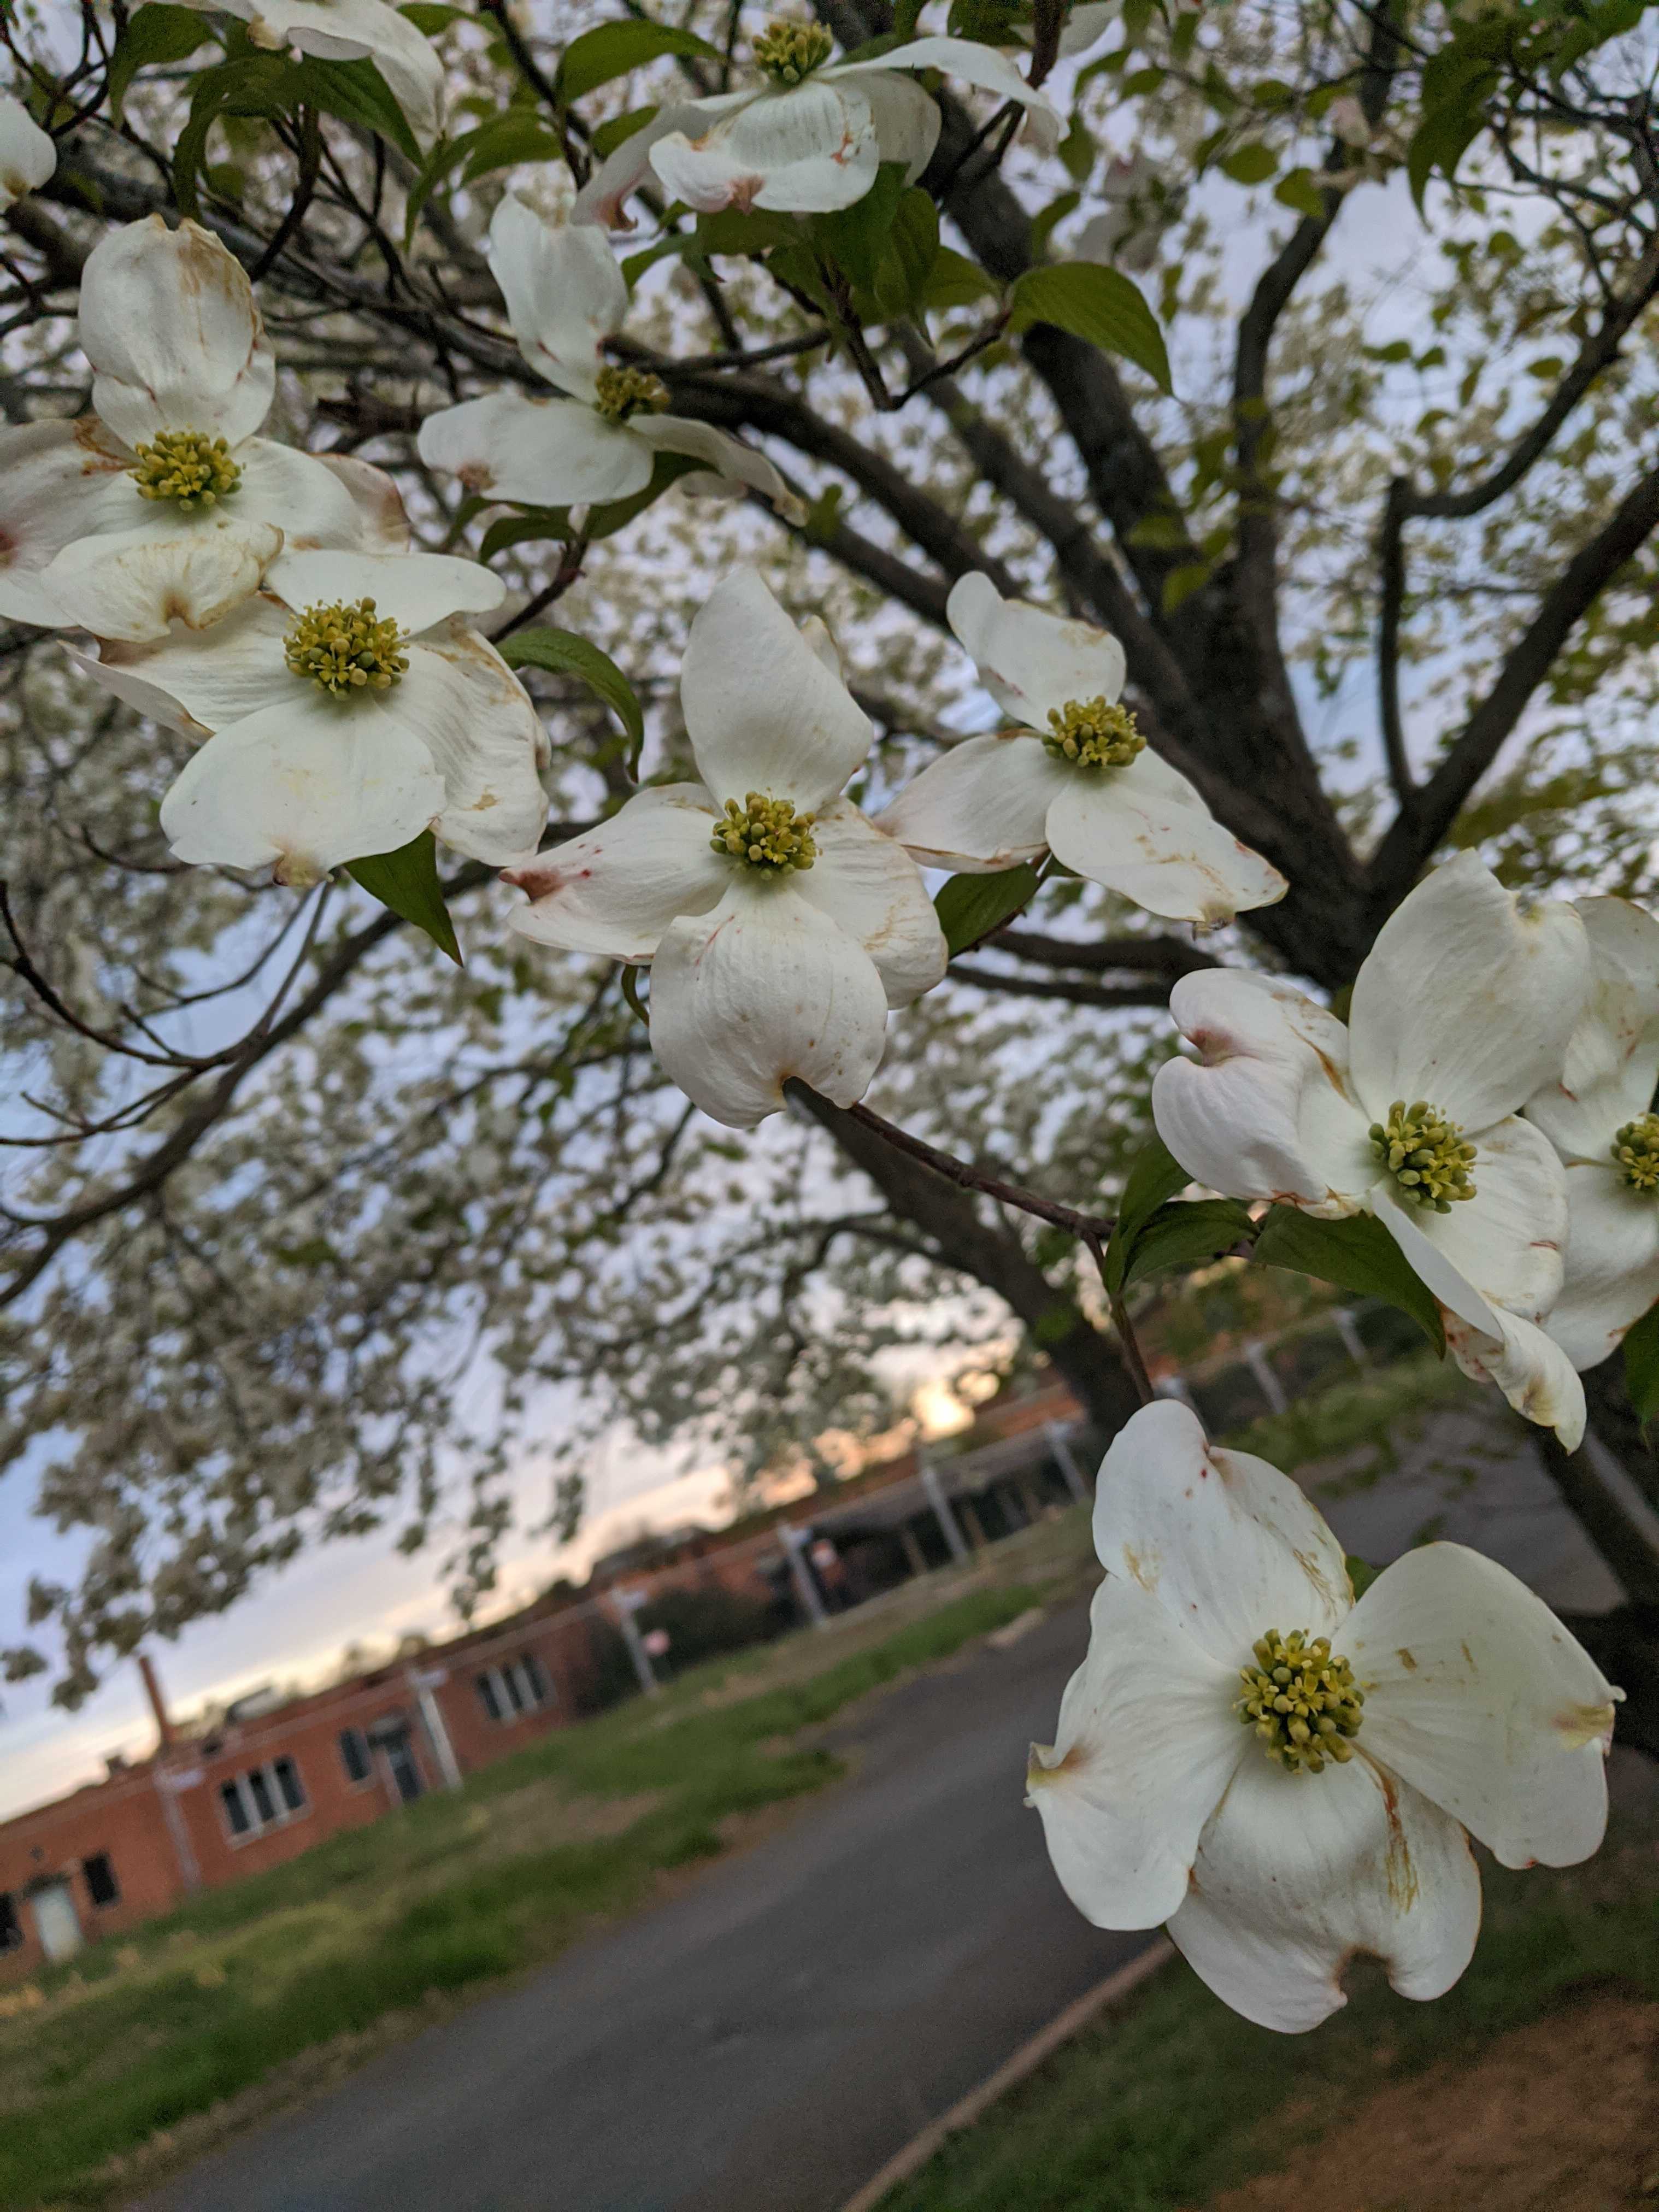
(970, 907)
(355, 92)
(613, 49)
(609, 135)
(954, 280)
(744, 231)
(1445, 135)
(564, 654)
(406, 881)
(1155, 1176)
(1356, 1254)
(1097, 304)
(1299, 191)
(1044, 223)
(158, 32)
(431, 17)
(856, 237)
(912, 243)
(1186, 1234)
(1642, 1364)
(1250, 164)
(604, 521)
(501, 143)
(1361, 1574)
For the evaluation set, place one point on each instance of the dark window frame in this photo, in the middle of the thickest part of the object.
(356, 1757)
(102, 1887)
(11, 1923)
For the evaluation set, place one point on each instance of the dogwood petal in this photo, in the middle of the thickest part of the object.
(1229, 1545)
(1031, 662)
(1268, 1111)
(811, 147)
(1296, 1872)
(1528, 1366)
(970, 62)
(1085, 24)
(1613, 1056)
(203, 679)
(563, 290)
(28, 155)
(731, 461)
(381, 525)
(1476, 1695)
(616, 889)
(1147, 1744)
(58, 482)
(169, 325)
(414, 590)
(1613, 1263)
(906, 118)
(1144, 832)
(603, 199)
(762, 712)
(763, 989)
(1507, 1242)
(981, 806)
(1464, 1001)
(311, 501)
(548, 452)
(305, 784)
(869, 884)
(464, 704)
(346, 30)
(132, 584)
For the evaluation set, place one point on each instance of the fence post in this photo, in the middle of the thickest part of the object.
(1059, 1445)
(628, 1603)
(1267, 1382)
(942, 1513)
(795, 1541)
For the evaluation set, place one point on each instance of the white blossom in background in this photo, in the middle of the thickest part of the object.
(1285, 1777)
(346, 709)
(811, 135)
(349, 31)
(779, 924)
(1076, 778)
(1140, 206)
(1461, 1012)
(1599, 1118)
(28, 155)
(163, 503)
(565, 296)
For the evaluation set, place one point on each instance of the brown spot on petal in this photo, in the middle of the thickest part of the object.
(476, 476)
(1407, 1660)
(1400, 1873)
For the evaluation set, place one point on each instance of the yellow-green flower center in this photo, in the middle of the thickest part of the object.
(1636, 1148)
(1090, 733)
(1428, 1156)
(1301, 1700)
(186, 466)
(789, 52)
(625, 391)
(765, 833)
(344, 649)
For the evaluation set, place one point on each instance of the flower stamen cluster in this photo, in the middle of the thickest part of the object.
(186, 466)
(765, 833)
(1636, 1148)
(622, 392)
(1092, 733)
(1301, 1700)
(1427, 1155)
(789, 52)
(344, 648)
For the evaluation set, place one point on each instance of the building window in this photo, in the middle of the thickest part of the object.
(355, 1755)
(102, 1887)
(517, 1687)
(263, 1797)
(11, 1927)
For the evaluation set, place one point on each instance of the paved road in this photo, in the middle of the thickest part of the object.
(766, 2040)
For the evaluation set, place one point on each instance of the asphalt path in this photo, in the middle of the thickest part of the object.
(767, 2037)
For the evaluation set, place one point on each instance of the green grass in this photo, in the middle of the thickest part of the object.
(1178, 2098)
(1380, 1408)
(137, 2039)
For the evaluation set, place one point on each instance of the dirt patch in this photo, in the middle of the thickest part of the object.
(1560, 2116)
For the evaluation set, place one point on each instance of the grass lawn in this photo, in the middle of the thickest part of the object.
(1177, 2098)
(135, 2038)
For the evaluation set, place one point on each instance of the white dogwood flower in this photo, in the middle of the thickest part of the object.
(1076, 778)
(28, 155)
(779, 924)
(1462, 1011)
(1599, 1118)
(565, 296)
(349, 31)
(1141, 205)
(163, 503)
(811, 137)
(346, 709)
(1284, 1777)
